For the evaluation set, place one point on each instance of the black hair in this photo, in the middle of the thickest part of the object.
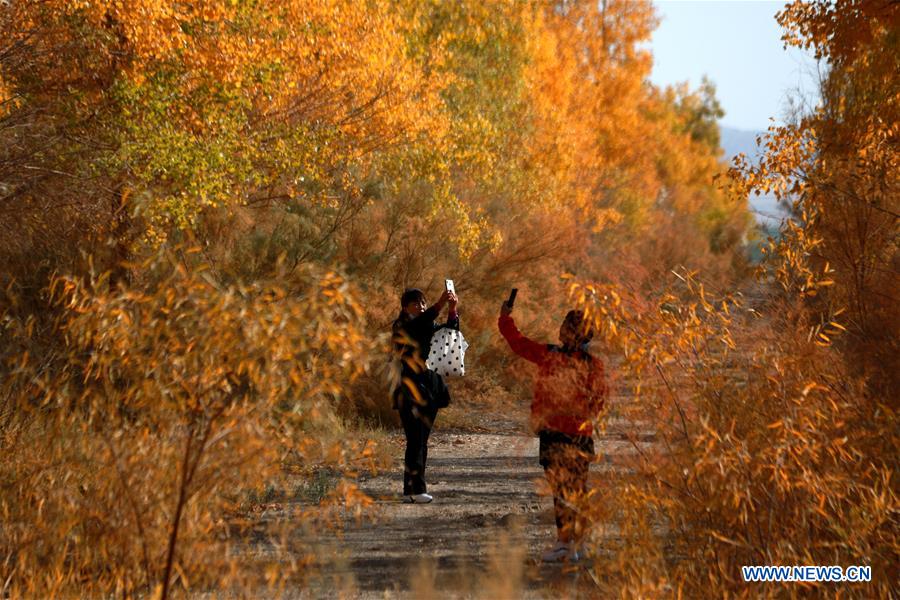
(411, 295)
(584, 331)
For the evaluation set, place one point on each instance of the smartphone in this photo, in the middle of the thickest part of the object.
(512, 297)
(448, 284)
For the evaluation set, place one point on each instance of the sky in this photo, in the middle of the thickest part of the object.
(737, 44)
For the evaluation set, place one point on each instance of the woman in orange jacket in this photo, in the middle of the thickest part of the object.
(568, 395)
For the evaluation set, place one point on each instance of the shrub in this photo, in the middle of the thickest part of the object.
(126, 452)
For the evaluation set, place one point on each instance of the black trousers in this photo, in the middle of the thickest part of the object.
(566, 460)
(417, 423)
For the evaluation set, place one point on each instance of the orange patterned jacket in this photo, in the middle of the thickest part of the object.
(570, 387)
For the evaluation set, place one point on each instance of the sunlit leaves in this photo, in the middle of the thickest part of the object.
(166, 404)
(774, 422)
(838, 168)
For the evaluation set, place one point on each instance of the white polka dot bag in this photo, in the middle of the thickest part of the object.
(448, 352)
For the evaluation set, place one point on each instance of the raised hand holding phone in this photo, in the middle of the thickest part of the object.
(507, 306)
(512, 297)
(450, 293)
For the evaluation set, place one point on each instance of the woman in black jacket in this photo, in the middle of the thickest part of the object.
(421, 391)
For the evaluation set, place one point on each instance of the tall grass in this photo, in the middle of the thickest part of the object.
(129, 447)
(768, 450)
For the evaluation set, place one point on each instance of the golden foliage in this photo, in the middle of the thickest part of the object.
(761, 440)
(162, 409)
(773, 413)
(496, 143)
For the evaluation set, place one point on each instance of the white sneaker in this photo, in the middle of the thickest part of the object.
(557, 553)
(418, 499)
(563, 552)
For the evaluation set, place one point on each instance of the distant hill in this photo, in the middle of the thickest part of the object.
(735, 141)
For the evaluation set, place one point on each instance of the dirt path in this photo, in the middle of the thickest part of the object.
(487, 525)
